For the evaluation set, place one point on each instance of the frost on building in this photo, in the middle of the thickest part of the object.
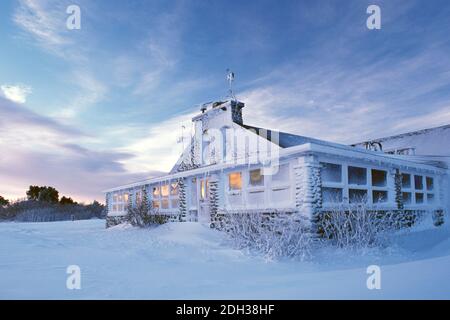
(230, 167)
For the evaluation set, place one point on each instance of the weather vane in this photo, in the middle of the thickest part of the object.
(230, 79)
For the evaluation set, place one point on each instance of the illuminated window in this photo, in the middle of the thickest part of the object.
(256, 178)
(235, 181)
(156, 204)
(174, 188)
(165, 190)
(165, 204)
(203, 189)
(156, 191)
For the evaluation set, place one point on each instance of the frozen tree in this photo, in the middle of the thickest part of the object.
(139, 214)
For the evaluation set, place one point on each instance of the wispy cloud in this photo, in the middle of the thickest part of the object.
(16, 93)
(44, 21)
(41, 150)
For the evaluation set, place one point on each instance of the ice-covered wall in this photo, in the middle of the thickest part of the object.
(308, 185)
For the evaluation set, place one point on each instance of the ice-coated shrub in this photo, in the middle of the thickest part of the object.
(438, 217)
(276, 235)
(357, 226)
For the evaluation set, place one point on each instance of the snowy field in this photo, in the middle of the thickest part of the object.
(190, 261)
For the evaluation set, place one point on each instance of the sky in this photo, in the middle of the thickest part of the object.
(86, 110)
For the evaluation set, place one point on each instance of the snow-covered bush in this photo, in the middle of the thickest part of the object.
(274, 235)
(438, 217)
(142, 214)
(357, 226)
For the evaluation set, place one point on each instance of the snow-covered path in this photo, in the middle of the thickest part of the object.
(189, 261)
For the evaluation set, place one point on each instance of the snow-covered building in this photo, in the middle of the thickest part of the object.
(233, 167)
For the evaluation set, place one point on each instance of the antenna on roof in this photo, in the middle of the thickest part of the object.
(230, 79)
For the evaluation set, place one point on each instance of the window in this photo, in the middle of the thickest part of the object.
(379, 196)
(378, 178)
(282, 174)
(430, 184)
(256, 198)
(419, 198)
(165, 190)
(357, 195)
(156, 204)
(203, 189)
(235, 181)
(165, 204)
(174, 203)
(357, 176)
(407, 197)
(418, 182)
(406, 180)
(332, 195)
(174, 189)
(430, 198)
(281, 195)
(256, 178)
(194, 192)
(156, 191)
(119, 202)
(138, 197)
(331, 172)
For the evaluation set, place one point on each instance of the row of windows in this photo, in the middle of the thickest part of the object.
(356, 185)
(166, 195)
(251, 187)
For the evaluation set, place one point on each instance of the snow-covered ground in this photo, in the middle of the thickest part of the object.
(190, 261)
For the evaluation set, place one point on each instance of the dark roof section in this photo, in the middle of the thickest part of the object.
(286, 140)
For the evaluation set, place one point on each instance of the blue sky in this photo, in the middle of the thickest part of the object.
(85, 110)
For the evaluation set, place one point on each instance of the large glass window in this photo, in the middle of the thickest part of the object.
(430, 184)
(174, 188)
(194, 192)
(379, 178)
(407, 198)
(418, 182)
(357, 176)
(331, 172)
(332, 195)
(256, 178)
(282, 174)
(379, 196)
(419, 198)
(165, 190)
(357, 195)
(406, 181)
(235, 181)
